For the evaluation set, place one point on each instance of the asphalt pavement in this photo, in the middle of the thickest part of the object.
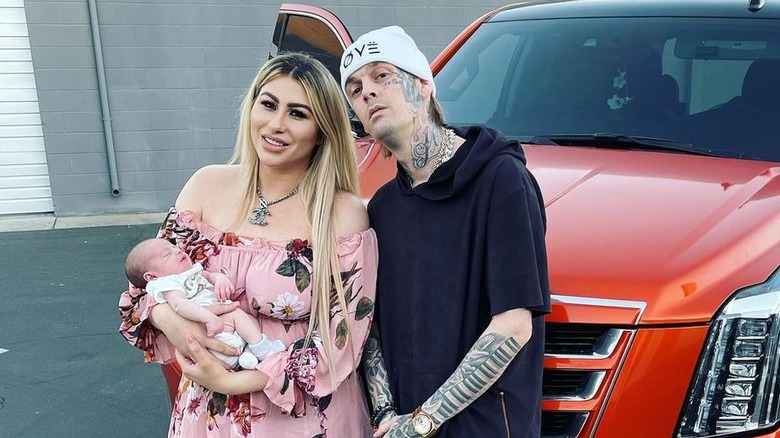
(64, 369)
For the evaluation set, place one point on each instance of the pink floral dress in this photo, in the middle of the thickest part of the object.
(272, 279)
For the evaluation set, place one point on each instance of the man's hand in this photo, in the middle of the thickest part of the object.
(385, 425)
(397, 427)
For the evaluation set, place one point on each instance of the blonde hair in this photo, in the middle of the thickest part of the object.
(333, 169)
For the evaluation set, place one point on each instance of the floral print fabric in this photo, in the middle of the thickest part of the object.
(272, 279)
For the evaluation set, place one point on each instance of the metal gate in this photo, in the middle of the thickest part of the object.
(24, 175)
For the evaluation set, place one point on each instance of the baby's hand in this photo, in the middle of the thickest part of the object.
(214, 326)
(223, 287)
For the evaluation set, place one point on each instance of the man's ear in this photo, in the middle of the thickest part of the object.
(426, 88)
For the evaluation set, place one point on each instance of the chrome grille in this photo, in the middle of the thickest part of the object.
(586, 340)
(562, 424)
(579, 358)
(570, 384)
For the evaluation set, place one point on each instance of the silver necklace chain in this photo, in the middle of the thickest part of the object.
(259, 213)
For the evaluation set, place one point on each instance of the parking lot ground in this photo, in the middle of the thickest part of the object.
(64, 369)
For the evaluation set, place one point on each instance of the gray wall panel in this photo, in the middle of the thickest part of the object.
(176, 71)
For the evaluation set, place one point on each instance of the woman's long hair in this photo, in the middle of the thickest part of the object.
(333, 169)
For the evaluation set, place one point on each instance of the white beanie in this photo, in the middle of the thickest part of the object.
(388, 44)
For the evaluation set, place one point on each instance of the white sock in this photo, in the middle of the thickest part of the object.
(247, 360)
(265, 347)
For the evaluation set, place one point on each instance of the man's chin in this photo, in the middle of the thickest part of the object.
(382, 132)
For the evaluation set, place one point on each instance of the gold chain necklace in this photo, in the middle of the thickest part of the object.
(258, 214)
(448, 140)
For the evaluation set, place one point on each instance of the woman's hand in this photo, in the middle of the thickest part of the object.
(206, 370)
(202, 367)
(175, 327)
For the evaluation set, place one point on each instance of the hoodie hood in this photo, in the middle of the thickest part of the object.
(482, 145)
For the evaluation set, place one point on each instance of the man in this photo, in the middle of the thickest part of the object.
(462, 286)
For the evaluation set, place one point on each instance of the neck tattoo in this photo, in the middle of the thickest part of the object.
(448, 143)
(258, 214)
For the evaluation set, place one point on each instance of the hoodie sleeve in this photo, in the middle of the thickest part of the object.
(516, 271)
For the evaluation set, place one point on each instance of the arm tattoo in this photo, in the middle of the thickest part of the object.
(477, 372)
(377, 380)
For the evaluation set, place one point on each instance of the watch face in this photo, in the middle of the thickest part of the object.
(422, 424)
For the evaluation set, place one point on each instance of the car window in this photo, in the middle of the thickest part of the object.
(476, 88)
(712, 83)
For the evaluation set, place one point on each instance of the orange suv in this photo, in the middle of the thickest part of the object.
(653, 128)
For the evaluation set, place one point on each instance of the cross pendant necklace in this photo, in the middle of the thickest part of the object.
(259, 213)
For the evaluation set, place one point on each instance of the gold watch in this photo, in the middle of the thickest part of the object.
(423, 424)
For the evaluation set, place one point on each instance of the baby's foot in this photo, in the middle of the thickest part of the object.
(265, 347)
(247, 360)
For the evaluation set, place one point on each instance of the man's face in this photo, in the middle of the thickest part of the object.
(386, 99)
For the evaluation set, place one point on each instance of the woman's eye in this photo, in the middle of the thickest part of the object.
(298, 114)
(268, 104)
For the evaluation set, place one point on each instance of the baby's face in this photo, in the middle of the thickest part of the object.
(166, 259)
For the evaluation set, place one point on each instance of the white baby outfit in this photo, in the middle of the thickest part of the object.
(201, 291)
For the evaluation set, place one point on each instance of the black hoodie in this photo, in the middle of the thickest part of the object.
(465, 245)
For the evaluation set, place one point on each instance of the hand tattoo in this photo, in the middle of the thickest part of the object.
(402, 428)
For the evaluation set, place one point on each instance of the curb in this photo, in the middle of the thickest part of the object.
(41, 222)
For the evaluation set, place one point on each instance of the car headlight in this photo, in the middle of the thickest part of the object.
(737, 387)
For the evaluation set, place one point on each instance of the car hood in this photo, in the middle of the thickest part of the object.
(679, 233)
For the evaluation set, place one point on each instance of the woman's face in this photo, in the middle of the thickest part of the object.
(284, 131)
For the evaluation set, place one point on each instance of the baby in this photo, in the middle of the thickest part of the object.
(168, 275)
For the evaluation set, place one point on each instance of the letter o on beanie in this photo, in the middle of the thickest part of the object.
(388, 44)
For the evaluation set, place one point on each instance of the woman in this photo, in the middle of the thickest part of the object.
(282, 220)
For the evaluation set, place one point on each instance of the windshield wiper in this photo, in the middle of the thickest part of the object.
(619, 141)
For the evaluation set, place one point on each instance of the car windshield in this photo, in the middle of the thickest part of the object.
(711, 83)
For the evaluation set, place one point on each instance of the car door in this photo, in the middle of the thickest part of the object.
(318, 32)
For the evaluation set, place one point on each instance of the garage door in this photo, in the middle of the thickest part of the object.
(24, 176)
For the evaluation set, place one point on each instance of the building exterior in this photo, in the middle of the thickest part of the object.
(108, 106)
